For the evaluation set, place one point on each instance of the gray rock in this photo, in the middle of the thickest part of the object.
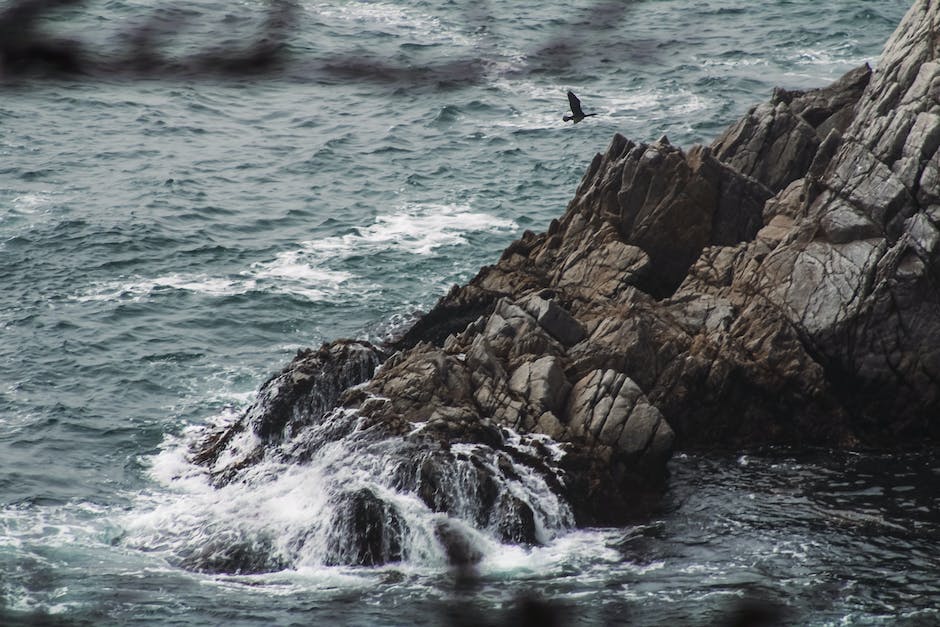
(543, 382)
(842, 223)
(776, 142)
(555, 319)
(608, 408)
(646, 432)
(549, 424)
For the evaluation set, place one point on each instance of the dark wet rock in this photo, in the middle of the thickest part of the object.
(515, 521)
(366, 531)
(307, 389)
(231, 552)
(458, 547)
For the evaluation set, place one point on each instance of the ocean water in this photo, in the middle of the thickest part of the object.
(170, 239)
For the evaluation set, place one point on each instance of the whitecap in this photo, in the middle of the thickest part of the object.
(31, 202)
(660, 103)
(742, 62)
(138, 288)
(821, 64)
(282, 512)
(416, 228)
(310, 271)
(281, 276)
(555, 558)
(214, 286)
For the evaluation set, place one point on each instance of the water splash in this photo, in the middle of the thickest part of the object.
(340, 493)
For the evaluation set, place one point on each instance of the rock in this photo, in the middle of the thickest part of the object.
(603, 266)
(777, 229)
(646, 433)
(776, 142)
(778, 287)
(773, 144)
(366, 531)
(554, 319)
(766, 290)
(549, 424)
(671, 205)
(301, 394)
(515, 521)
(607, 408)
(231, 552)
(842, 223)
(542, 381)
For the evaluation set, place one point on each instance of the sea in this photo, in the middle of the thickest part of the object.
(174, 229)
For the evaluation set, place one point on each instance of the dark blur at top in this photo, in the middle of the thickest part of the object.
(61, 39)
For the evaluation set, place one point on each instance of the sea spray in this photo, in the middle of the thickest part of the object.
(343, 492)
(299, 480)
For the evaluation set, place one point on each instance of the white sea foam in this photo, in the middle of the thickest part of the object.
(821, 64)
(26, 211)
(415, 228)
(553, 558)
(286, 274)
(51, 526)
(44, 539)
(661, 103)
(287, 510)
(311, 271)
(32, 202)
(743, 62)
(215, 286)
(138, 288)
(827, 56)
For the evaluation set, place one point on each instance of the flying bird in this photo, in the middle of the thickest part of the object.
(577, 114)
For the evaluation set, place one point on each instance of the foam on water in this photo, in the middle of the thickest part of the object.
(44, 538)
(136, 289)
(587, 548)
(32, 202)
(314, 271)
(416, 228)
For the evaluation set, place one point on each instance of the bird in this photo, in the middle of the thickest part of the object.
(576, 113)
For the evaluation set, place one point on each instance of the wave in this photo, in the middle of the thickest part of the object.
(316, 270)
(419, 229)
(291, 512)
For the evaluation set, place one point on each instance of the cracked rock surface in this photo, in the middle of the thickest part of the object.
(777, 287)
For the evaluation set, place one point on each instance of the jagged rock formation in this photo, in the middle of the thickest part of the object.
(777, 287)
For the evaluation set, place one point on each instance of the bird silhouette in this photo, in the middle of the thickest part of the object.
(577, 114)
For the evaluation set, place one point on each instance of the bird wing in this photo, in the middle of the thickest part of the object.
(575, 104)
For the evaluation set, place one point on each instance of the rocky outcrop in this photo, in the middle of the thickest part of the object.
(778, 287)
(300, 395)
(776, 142)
